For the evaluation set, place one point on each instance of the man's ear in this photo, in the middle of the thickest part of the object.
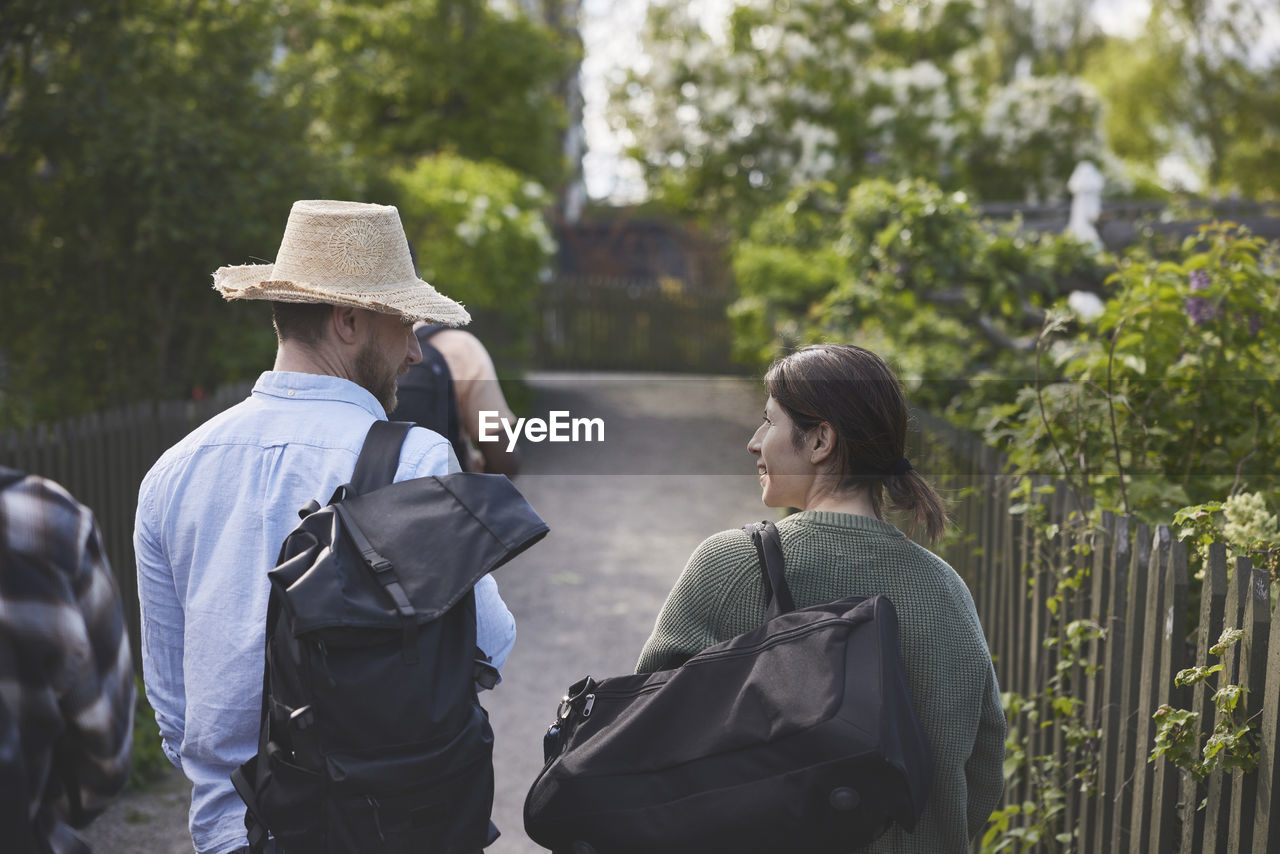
(347, 324)
(822, 443)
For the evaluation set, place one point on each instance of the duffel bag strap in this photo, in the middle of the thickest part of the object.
(773, 566)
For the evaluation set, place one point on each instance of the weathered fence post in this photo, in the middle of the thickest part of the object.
(1099, 606)
(1149, 692)
(1122, 836)
(1217, 821)
(1213, 600)
(1073, 606)
(989, 563)
(1112, 723)
(1266, 834)
(1173, 657)
(1010, 589)
(1253, 676)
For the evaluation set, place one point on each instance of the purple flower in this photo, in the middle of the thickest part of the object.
(1200, 309)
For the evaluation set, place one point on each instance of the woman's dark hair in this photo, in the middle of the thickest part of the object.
(854, 391)
(303, 322)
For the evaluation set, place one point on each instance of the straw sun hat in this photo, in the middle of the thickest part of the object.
(343, 253)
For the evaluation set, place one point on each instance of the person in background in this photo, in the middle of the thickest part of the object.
(832, 444)
(66, 675)
(447, 391)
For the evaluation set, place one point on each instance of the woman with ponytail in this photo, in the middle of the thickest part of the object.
(832, 445)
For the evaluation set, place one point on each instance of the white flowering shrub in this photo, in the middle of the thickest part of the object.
(801, 90)
(1034, 131)
(1249, 521)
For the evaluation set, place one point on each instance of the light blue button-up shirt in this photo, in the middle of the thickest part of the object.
(212, 514)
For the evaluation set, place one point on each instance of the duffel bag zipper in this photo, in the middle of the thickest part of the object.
(606, 692)
(589, 700)
(818, 625)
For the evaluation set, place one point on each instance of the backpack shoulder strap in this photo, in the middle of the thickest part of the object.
(424, 333)
(773, 566)
(380, 456)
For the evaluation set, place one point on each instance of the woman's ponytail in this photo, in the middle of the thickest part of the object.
(912, 494)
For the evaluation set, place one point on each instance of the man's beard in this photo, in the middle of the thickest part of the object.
(373, 375)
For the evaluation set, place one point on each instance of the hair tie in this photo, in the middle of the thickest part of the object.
(901, 467)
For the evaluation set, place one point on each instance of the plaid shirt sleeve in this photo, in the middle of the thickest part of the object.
(68, 678)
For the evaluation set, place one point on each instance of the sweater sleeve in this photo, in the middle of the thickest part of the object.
(984, 771)
(689, 620)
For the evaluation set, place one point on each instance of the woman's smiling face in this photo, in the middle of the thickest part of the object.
(786, 472)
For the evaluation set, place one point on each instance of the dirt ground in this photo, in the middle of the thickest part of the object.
(153, 821)
(624, 513)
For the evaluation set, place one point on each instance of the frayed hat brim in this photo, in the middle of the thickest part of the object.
(414, 298)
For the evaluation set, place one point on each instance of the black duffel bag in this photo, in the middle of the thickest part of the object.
(799, 736)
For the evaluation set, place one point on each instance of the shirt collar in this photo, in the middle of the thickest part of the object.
(289, 385)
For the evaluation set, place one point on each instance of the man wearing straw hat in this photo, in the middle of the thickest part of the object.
(214, 509)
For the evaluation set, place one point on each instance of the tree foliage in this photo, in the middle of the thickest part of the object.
(139, 154)
(479, 235)
(1197, 84)
(144, 143)
(815, 90)
(998, 98)
(394, 79)
(910, 271)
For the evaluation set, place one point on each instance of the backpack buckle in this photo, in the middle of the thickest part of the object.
(302, 718)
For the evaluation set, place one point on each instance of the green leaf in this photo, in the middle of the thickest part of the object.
(1229, 638)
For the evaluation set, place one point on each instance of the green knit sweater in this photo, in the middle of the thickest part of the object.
(832, 555)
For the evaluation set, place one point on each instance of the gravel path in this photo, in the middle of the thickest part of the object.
(624, 516)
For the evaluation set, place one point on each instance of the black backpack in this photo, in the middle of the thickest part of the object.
(372, 736)
(798, 736)
(427, 395)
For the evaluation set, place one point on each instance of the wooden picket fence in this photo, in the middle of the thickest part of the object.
(101, 460)
(1133, 584)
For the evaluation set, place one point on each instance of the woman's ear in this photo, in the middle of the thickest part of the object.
(822, 443)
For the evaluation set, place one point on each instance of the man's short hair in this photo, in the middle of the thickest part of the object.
(303, 322)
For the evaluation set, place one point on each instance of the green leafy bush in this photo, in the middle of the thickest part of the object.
(1231, 744)
(1169, 399)
(148, 762)
(910, 271)
(480, 237)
